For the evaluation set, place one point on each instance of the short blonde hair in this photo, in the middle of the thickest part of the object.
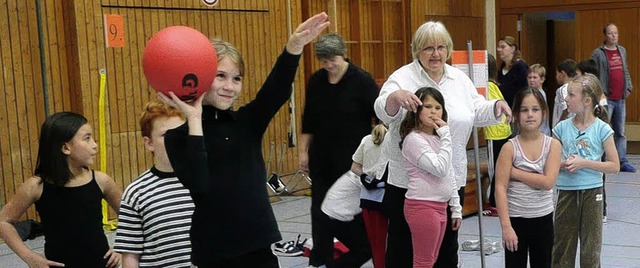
(538, 69)
(431, 32)
(225, 49)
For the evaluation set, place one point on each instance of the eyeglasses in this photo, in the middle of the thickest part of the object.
(431, 49)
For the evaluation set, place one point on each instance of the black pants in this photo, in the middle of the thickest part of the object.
(535, 239)
(497, 146)
(262, 258)
(354, 236)
(326, 165)
(448, 254)
(399, 246)
(322, 252)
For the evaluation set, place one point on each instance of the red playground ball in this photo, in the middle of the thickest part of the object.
(180, 59)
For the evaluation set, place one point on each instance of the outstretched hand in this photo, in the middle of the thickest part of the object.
(307, 31)
(502, 108)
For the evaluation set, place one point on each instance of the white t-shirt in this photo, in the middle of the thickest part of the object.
(368, 155)
(559, 104)
(342, 201)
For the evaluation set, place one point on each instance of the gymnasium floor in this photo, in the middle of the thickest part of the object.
(621, 244)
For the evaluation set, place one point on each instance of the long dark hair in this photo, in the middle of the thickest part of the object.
(412, 120)
(57, 129)
(517, 103)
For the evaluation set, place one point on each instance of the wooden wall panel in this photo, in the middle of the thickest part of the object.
(379, 46)
(195, 4)
(534, 35)
(510, 6)
(460, 32)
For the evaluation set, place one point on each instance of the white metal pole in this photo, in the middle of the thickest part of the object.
(476, 154)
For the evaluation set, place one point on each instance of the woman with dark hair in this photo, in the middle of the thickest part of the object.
(338, 113)
(513, 72)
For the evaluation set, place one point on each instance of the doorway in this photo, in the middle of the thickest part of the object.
(548, 38)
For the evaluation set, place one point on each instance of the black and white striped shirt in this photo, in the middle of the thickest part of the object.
(155, 219)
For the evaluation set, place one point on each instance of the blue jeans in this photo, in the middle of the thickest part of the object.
(617, 118)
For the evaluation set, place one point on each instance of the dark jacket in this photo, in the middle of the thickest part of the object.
(224, 171)
(513, 81)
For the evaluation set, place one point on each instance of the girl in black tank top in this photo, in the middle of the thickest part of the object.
(68, 197)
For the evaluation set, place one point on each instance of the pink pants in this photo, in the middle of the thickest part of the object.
(427, 221)
(376, 225)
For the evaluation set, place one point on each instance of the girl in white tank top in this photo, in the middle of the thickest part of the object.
(526, 172)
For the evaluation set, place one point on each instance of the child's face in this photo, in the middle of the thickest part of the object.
(530, 114)
(560, 77)
(82, 149)
(226, 86)
(574, 99)
(155, 143)
(430, 109)
(535, 81)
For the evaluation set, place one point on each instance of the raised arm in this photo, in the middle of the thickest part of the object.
(306, 32)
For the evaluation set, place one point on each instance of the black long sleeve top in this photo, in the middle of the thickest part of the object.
(338, 116)
(513, 81)
(224, 171)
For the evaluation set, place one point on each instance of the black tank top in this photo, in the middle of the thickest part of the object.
(72, 220)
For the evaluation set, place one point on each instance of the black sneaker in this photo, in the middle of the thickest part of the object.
(287, 249)
(300, 243)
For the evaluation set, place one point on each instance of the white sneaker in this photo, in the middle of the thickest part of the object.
(604, 219)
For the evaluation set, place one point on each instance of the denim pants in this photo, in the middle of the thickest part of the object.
(617, 119)
(578, 217)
